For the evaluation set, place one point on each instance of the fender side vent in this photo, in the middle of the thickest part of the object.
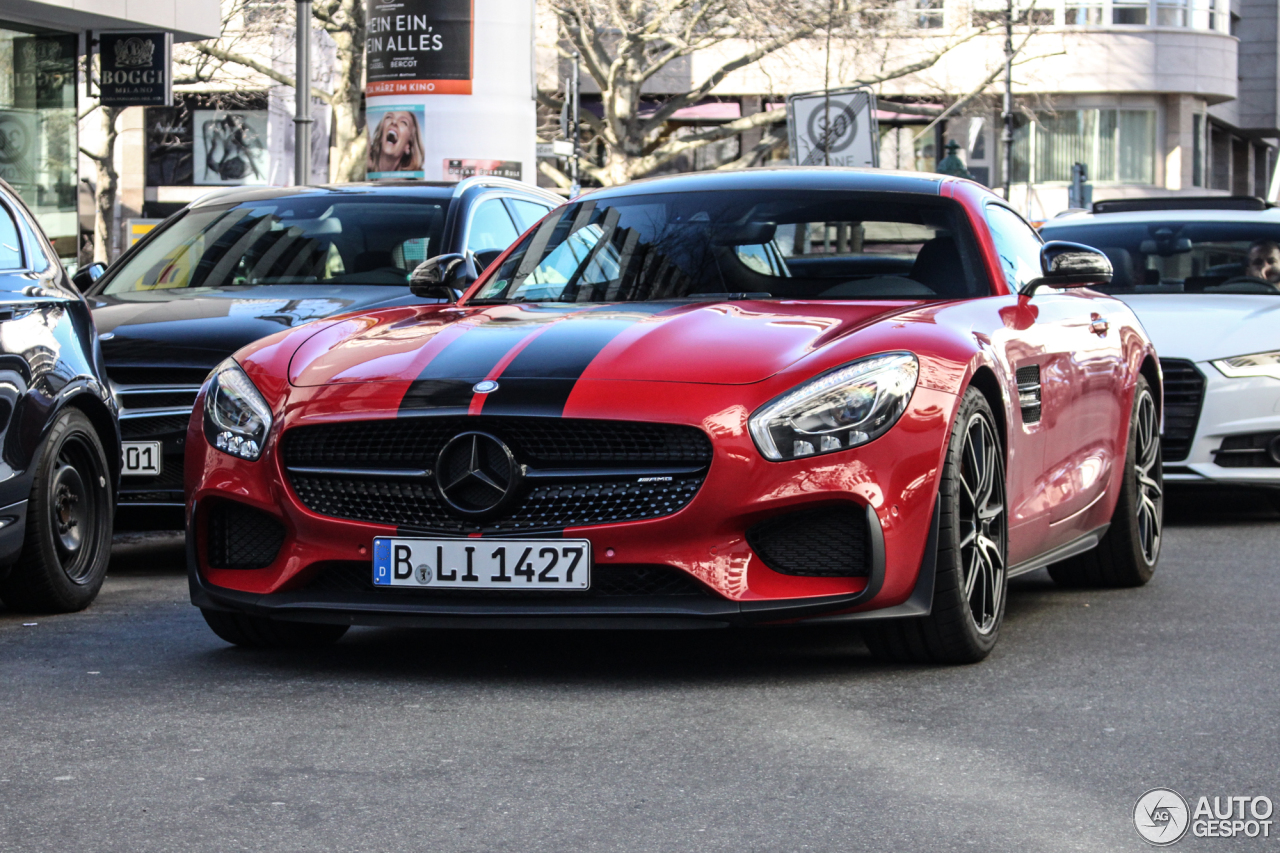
(1029, 393)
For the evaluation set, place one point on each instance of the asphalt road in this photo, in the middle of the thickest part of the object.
(131, 727)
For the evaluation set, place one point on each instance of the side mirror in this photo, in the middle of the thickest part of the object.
(443, 277)
(86, 276)
(1065, 264)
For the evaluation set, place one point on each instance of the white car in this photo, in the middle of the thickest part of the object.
(1184, 266)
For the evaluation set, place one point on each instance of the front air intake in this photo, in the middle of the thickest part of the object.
(241, 537)
(830, 542)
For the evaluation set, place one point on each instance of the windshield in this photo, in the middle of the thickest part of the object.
(303, 240)
(743, 244)
(1183, 257)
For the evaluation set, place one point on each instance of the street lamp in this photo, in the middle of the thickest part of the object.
(302, 107)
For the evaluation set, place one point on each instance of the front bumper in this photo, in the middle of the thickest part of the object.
(892, 481)
(1233, 412)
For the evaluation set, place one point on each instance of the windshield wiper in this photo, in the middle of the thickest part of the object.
(725, 297)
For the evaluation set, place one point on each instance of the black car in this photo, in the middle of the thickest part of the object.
(59, 443)
(240, 264)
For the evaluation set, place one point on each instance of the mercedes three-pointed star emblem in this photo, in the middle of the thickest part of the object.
(477, 473)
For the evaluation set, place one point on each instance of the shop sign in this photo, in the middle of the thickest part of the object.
(44, 72)
(136, 69)
(419, 47)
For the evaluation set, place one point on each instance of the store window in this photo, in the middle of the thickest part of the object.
(1118, 146)
(38, 143)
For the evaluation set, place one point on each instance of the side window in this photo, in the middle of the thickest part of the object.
(1016, 243)
(10, 242)
(491, 228)
(527, 212)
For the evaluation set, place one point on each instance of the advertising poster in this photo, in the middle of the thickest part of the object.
(419, 47)
(395, 141)
(229, 148)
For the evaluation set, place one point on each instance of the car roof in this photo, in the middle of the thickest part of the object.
(784, 177)
(406, 188)
(1147, 217)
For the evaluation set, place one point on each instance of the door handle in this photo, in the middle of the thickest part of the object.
(1099, 326)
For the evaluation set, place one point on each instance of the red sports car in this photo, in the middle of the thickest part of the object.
(772, 396)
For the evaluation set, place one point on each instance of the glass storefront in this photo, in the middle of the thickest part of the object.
(38, 142)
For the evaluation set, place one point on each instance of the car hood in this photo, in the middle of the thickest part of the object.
(706, 342)
(1205, 326)
(201, 327)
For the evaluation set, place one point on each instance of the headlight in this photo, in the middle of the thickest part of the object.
(838, 410)
(236, 418)
(1258, 364)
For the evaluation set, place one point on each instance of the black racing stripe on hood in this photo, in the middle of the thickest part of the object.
(540, 379)
(446, 381)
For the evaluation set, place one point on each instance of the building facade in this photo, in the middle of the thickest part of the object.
(42, 50)
(1153, 96)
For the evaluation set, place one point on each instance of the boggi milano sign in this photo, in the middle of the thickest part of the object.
(449, 89)
(136, 69)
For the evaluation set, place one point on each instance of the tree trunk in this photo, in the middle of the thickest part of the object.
(104, 224)
(349, 144)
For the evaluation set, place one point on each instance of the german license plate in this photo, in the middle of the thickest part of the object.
(141, 458)
(509, 564)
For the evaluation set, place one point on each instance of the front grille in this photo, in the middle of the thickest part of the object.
(606, 582)
(830, 542)
(415, 442)
(598, 465)
(416, 505)
(153, 427)
(133, 398)
(241, 537)
(1183, 396)
(1247, 451)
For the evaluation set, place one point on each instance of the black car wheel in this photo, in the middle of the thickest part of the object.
(68, 537)
(1128, 552)
(258, 632)
(970, 584)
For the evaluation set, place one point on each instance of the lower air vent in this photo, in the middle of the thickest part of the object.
(240, 537)
(1029, 393)
(831, 542)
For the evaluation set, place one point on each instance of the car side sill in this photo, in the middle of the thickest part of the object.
(1079, 545)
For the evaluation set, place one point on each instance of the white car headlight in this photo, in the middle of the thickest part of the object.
(1257, 364)
(236, 417)
(844, 408)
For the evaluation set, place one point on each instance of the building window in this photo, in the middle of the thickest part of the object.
(1083, 16)
(992, 13)
(39, 150)
(928, 15)
(1171, 13)
(1118, 146)
(1129, 11)
(1197, 150)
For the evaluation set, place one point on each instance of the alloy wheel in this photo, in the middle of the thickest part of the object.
(1147, 469)
(982, 523)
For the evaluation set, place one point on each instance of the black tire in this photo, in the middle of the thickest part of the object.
(258, 632)
(67, 544)
(1128, 553)
(970, 585)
